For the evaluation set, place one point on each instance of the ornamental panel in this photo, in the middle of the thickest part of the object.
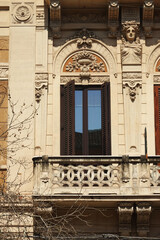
(85, 61)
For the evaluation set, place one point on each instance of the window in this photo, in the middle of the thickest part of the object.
(85, 119)
(157, 117)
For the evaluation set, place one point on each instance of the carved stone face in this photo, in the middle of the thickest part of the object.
(130, 34)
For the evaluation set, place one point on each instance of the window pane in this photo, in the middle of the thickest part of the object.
(78, 121)
(94, 122)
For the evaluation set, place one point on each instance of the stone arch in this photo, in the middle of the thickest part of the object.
(68, 49)
(98, 48)
(153, 58)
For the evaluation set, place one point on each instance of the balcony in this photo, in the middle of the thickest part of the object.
(97, 176)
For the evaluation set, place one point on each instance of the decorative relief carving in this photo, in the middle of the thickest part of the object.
(83, 34)
(132, 87)
(84, 42)
(40, 16)
(22, 13)
(113, 16)
(125, 210)
(84, 62)
(3, 72)
(131, 49)
(148, 13)
(92, 79)
(143, 210)
(156, 79)
(132, 75)
(41, 82)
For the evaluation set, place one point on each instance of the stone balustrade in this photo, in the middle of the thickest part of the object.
(96, 175)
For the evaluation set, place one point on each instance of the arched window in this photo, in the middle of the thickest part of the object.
(85, 106)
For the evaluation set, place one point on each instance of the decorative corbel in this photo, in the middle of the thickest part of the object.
(132, 87)
(55, 18)
(113, 16)
(41, 82)
(143, 210)
(148, 13)
(125, 210)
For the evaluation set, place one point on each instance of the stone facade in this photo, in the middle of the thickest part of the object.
(46, 44)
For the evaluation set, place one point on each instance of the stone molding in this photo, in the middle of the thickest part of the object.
(22, 13)
(132, 75)
(152, 59)
(91, 79)
(133, 87)
(41, 82)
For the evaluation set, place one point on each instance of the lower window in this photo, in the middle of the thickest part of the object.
(85, 120)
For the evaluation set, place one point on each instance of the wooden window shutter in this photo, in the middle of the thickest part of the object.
(68, 119)
(106, 135)
(157, 117)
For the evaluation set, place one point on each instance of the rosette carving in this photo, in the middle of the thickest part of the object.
(22, 13)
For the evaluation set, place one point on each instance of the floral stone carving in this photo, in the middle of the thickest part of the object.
(131, 49)
(84, 62)
(22, 13)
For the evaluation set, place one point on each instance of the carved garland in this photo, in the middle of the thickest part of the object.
(85, 62)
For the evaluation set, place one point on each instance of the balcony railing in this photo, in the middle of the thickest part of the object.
(96, 175)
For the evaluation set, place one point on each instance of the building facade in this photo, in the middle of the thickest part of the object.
(81, 127)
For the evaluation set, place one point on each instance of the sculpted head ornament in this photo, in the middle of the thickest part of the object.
(130, 31)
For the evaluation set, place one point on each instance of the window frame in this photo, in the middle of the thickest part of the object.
(106, 135)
